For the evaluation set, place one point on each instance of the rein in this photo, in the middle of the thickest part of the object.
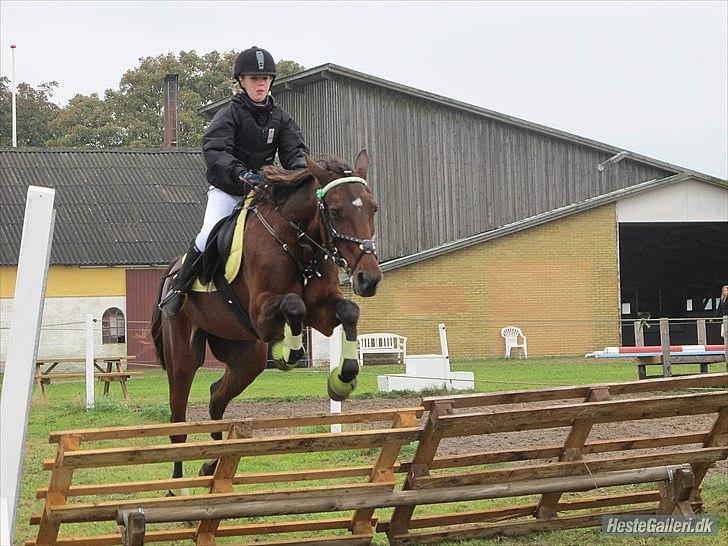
(308, 270)
(321, 253)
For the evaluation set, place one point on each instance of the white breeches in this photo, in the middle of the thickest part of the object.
(219, 205)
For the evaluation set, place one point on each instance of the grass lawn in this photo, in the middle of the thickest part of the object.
(65, 409)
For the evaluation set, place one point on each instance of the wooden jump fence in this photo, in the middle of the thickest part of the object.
(413, 462)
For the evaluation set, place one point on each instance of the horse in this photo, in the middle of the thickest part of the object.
(302, 226)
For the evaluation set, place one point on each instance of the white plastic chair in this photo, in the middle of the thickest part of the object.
(511, 335)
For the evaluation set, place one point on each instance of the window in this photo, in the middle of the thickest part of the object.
(112, 326)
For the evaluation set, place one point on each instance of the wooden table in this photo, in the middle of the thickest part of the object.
(103, 370)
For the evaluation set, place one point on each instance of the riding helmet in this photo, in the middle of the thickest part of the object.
(254, 61)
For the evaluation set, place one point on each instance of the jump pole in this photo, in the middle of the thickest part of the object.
(27, 314)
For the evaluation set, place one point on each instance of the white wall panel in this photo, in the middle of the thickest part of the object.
(689, 201)
(66, 340)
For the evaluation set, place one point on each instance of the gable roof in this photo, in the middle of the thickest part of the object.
(296, 82)
(113, 207)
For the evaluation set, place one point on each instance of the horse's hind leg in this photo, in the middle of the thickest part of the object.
(245, 361)
(183, 359)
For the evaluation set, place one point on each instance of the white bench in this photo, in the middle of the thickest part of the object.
(382, 343)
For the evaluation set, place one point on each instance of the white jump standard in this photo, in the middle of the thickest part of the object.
(428, 372)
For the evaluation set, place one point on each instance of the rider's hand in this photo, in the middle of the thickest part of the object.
(252, 178)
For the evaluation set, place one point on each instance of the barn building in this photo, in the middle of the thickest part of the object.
(485, 221)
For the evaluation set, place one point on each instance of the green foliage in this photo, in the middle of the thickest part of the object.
(130, 116)
(34, 111)
(286, 68)
(85, 123)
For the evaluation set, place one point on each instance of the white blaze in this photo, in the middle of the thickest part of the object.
(357, 202)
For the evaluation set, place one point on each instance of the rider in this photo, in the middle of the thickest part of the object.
(242, 137)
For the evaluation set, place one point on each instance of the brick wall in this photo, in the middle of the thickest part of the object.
(558, 282)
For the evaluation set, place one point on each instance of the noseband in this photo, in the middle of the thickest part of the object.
(367, 246)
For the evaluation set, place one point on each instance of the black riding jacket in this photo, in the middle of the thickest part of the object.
(245, 136)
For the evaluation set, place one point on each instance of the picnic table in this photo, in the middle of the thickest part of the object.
(103, 371)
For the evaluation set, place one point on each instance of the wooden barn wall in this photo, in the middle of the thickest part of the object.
(442, 174)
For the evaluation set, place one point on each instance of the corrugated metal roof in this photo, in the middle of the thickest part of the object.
(113, 207)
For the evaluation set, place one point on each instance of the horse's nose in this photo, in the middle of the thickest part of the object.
(365, 283)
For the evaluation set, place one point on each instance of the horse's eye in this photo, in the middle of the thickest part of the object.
(335, 214)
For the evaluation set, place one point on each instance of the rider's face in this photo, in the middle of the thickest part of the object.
(257, 86)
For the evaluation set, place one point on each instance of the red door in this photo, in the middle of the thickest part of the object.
(141, 295)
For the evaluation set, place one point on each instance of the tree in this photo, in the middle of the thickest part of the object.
(285, 68)
(34, 111)
(86, 122)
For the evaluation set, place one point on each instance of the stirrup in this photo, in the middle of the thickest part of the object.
(172, 303)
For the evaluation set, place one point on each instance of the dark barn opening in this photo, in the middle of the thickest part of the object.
(672, 270)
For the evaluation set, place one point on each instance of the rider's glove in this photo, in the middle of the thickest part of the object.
(252, 178)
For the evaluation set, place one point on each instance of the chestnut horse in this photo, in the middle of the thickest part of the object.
(302, 226)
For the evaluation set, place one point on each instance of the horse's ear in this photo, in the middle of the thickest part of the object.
(361, 165)
(323, 176)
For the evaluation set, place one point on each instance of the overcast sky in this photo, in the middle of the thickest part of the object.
(650, 77)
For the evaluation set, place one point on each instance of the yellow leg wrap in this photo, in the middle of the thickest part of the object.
(348, 349)
(291, 341)
(282, 349)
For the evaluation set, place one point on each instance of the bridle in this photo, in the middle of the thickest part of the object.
(366, 246)
(331, 249)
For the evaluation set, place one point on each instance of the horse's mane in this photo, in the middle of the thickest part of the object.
(282, 183)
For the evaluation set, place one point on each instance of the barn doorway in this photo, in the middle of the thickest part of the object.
(672, 270)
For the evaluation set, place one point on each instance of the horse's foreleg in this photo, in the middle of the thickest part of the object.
(287, 311)
(342, 380)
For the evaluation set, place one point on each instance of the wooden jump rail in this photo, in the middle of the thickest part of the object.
(377, 476)
(677, 463)
(478, 414)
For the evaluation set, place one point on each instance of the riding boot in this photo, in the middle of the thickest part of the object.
(182, 282)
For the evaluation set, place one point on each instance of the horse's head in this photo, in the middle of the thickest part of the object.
(346, 208)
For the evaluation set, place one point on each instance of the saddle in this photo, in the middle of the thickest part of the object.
(224, 250)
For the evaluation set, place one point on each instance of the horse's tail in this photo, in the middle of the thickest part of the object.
(156, 322)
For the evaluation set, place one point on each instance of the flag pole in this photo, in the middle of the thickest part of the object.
(15, 121)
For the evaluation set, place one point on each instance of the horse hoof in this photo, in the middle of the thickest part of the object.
(208, 469)
(338, 389)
